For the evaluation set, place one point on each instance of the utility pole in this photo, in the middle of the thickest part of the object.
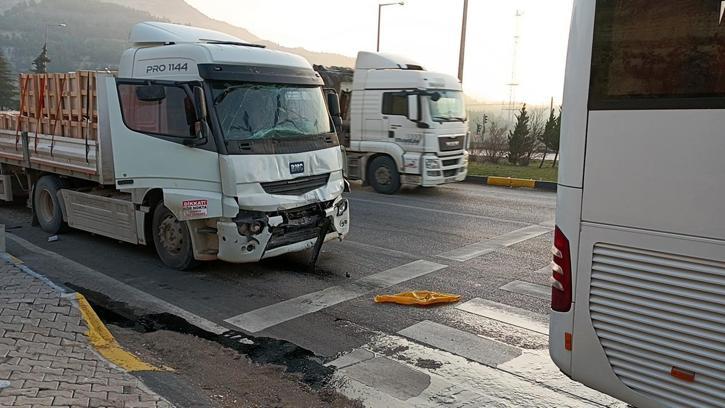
(462, 52)
(380, 11)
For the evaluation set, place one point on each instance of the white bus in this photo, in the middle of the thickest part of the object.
(638, 297)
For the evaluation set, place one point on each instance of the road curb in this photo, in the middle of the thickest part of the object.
(99, 337)
(512, 182)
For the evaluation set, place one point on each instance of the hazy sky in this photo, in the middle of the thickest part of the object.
(427, 31)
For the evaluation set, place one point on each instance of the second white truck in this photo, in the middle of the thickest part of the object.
(402, 125)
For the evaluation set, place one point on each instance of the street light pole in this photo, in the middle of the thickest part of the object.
(380, 10)
(462, 52)
(47, 26)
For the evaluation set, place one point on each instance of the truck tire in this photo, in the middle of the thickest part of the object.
(172, 239)
(383, 175)
(46, 204)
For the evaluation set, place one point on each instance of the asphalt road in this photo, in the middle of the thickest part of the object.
(490, 245)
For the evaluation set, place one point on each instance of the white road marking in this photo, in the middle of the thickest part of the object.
(490, 245)
(400, 381)
(507, 314)
(272, 315)
(485, 351)
(460, 214)
(454, 380)
(528, 289)
(139, 298)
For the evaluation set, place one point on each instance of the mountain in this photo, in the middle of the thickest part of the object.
(178, 11)
(97, 31)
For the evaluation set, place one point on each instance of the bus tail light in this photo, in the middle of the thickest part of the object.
(561, 295)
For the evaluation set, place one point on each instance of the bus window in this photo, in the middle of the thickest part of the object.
(663, 55)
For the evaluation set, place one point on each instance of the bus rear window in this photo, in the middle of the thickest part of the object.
(668, 54)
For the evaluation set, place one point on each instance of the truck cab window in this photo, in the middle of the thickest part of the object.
(171, 114)
(395, 104)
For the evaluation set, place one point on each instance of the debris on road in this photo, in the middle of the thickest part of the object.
(53, 238)
(418, 298)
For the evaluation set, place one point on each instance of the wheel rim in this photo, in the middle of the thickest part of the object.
(45, 206)
(171, 236)
(382, 176)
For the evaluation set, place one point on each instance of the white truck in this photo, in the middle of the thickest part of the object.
(403, 125)
(205, 146)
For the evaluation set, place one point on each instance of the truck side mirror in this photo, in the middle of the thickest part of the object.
(200, 103)
(413, 108)
(333, 106)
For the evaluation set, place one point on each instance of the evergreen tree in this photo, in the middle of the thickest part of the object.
(518, 137)
(40, 63)
(556, 137)
(547, 138)
(7, 85)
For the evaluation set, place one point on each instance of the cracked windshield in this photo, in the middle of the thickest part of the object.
(262, 111)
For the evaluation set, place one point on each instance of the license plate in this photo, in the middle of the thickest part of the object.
(449, 179)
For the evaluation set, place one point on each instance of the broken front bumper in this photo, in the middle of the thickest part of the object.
(282, 232)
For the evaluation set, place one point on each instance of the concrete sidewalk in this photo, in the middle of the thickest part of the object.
(46, 358)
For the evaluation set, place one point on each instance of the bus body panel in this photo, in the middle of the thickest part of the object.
(574, 111)
(630, 327)
(678, 156)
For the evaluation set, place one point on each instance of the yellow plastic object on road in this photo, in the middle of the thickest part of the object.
(418, 297)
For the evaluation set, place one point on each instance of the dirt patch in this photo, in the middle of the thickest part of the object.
(228, 378)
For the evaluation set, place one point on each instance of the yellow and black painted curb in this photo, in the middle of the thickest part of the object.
(512, 182)
(98, 334)
(103, 341)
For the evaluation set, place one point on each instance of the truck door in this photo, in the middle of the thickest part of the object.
(395, 115)
(151, 126)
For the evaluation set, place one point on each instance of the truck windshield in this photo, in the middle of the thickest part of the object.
(250, 111)
(449, 108)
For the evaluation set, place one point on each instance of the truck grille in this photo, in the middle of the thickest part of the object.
(299, 225)
(450, 173)
(449, 144)
(451, 162)
(654, 311)
(298, 186)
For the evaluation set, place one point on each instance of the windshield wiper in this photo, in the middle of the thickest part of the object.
(449, 119)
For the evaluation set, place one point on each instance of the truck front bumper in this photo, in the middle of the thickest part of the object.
(449, 169)
(282, 234)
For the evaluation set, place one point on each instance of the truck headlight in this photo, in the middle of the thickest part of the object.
(432, 164)
(341, 207)
(250, 228)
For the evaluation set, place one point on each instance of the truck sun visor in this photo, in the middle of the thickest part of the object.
(258, 74)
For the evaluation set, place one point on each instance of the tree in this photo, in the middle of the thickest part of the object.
(556, 138)
(518, 137)
(40, 63)
(494, 146)
(550, 137)
(7, 85)
(532, 141)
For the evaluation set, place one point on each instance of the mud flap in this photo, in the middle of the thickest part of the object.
(324, 228)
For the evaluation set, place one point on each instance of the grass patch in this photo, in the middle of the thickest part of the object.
(505, 169)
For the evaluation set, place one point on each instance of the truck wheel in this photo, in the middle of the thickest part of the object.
(46, 204)
(172, 240)
(384, 176)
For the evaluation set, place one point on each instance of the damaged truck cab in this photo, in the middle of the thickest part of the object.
(208, 148)
(261, 175)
